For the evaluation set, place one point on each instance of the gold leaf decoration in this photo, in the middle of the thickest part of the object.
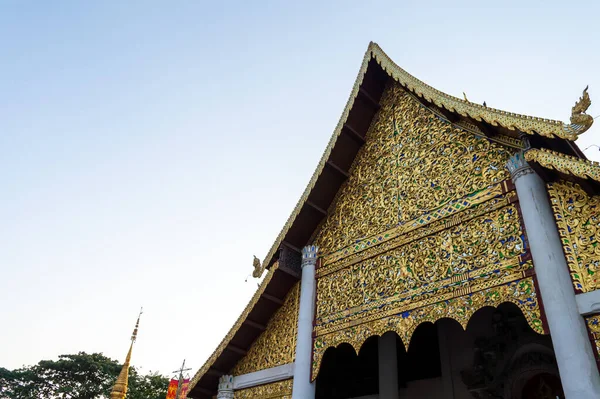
(425, 227)
(279, 390)
(277, 344)
(456, 212)
(593, 325)
(577, 217)
(412, 163)
(522, 293)
(495, 117)
(566, 164)
(489, 247)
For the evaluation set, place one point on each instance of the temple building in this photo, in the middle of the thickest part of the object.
(442, 249)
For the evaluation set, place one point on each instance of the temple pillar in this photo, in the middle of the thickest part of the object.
(388, 367)
(225, 390)
(443, 331)
(573, 351)
(303, 388)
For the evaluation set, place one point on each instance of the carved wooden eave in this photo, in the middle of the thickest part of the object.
(210, 371)
(282, 260)
(514, 122)
(553, 165)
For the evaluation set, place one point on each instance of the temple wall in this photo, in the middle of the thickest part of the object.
(593, 326)
(426, 226)
(412, 163)
(577, 216)
(277, 344)
(276, 390)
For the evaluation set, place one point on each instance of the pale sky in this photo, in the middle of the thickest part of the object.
(148, 149)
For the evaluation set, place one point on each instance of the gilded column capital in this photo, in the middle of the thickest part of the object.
(225, 387)
(518, 166)
(309, 255)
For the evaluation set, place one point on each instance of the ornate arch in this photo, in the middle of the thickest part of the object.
(461, 309)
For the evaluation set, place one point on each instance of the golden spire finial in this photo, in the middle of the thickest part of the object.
(120, 388)
(137, 325)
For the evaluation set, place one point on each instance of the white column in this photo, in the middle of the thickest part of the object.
(303, 388)
(388, 367)
(225, 387)
(572, 348)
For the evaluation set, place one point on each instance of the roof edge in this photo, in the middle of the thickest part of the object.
(527, 124)
(495, 117)
(233, 330)
(569, 165)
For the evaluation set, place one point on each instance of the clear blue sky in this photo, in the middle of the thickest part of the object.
(148, 149)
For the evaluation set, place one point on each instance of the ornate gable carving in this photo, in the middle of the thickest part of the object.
(485, 250)
(425, 227)
(413, 162)
(277, 344)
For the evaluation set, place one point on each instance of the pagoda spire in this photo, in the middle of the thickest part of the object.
(120, 388)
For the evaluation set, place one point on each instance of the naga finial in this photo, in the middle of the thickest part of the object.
(258, 268)
(578, 115)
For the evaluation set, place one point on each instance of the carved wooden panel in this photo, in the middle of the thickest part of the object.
(277, 344)
(578, 219)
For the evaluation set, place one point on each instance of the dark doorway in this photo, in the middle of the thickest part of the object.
(344, 374)
(543, 386)
(498, 356)
(422, 361)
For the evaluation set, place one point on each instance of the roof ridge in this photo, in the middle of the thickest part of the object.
(528, 124)
(568, 164)
(450, 96)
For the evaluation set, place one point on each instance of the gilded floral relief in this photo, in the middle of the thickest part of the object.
(277, 344)
(275, 390)
(412, 163)
(489, 246)
(578, 220)
(426, 226)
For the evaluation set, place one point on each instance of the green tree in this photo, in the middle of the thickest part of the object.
(149, 386)
(80, 376)
(21, 383)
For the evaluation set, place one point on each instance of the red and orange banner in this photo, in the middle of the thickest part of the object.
(184, 389)
(172, 390)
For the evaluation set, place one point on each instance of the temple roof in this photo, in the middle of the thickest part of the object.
(554, 165)
(527, 124)
(282, 260)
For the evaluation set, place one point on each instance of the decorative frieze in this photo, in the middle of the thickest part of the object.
(577, 216)
(412, 164)
(276, 390)
(521, 292)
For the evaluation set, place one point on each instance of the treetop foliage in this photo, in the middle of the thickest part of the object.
(79, 376)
